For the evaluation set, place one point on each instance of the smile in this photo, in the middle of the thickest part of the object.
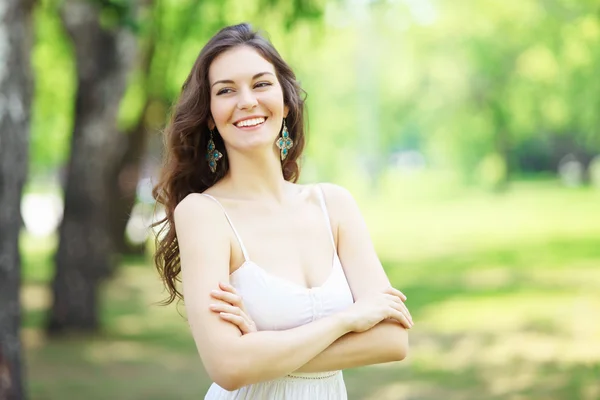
(251, 122)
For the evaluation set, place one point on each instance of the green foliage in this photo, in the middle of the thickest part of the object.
(456, 81)
(170, 36)
(117, 13)
(55, 81)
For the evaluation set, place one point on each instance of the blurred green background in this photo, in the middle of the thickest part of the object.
(469, 133)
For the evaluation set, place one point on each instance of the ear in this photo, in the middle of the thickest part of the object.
(286, 111)
(211, 123)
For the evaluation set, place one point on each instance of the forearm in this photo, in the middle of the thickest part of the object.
(267, 355)
(386, 342)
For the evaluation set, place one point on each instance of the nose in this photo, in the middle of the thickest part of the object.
(247, 100)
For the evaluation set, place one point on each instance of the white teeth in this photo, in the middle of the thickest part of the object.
(251, 122)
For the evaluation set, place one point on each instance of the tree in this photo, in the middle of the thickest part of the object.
(15, 100)
(104, 55)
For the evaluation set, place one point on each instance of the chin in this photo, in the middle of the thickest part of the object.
(256, 139)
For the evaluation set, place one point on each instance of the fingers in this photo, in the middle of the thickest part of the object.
(396, 303)
(397, 300)
(234, 311)
(394, 298)
(400, 298)
(402, 309)
(228, 297)
(234, 315)
(393, 291)
(237, 320)
(226, 308)
(227, 287)
(401, 318)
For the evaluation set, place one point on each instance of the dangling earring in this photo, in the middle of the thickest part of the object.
(284, 142)
(212, 155)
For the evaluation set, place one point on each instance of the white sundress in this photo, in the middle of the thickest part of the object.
(278, 304)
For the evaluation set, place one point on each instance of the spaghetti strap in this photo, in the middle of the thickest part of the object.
(231, 224)
(324, 207)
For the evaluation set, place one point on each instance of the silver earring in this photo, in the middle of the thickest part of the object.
(212, 154)
(284, 142)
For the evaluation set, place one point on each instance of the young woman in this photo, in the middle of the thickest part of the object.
(316, 299)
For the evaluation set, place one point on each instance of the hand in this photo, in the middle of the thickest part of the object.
(371, 310)
(234, 311)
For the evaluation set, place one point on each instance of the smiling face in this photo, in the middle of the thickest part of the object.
(246, 99)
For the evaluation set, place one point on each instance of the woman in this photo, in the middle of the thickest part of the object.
(238, 226)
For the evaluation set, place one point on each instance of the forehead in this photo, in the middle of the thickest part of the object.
(238, 63)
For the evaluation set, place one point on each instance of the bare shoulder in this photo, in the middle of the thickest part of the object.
(195, 205)
(197, 215)
(344, 213)
(338, 198)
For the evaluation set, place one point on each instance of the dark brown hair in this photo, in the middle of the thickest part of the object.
(185, 168)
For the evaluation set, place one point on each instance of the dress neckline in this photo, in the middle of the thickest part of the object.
(247, 260)
(336, 263)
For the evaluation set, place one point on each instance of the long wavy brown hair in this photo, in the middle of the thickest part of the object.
(186, 136)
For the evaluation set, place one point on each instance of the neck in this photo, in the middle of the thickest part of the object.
(257, 175)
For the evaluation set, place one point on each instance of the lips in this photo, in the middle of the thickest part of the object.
(250, 122)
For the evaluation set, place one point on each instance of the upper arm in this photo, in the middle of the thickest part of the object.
(204, 247)
(362, 267)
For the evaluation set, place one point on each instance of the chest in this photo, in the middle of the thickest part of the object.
(294, 244)
(274, 303)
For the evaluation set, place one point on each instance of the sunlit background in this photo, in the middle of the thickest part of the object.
(468, 131)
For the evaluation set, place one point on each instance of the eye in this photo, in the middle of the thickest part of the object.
(263, 84)
(224, 91)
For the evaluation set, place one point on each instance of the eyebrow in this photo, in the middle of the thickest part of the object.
(253, 78)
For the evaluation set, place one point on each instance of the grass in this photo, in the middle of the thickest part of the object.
(503, 290)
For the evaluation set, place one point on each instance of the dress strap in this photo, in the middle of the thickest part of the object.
(324, 207)
(231, 224)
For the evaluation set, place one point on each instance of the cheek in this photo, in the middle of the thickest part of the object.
(275, 101)
(218, 110)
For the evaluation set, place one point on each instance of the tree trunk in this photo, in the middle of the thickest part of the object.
(15, 101)
(124, 186)
(86, 252)
(127, 172)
